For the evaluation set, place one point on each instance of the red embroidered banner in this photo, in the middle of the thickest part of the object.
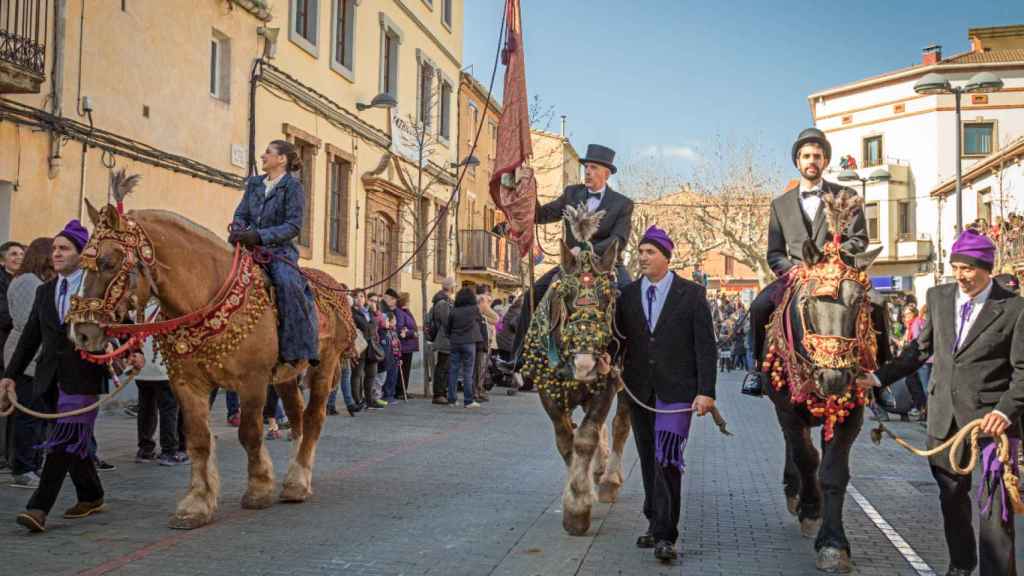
(513, 146)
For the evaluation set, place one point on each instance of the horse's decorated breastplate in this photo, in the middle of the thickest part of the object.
(220, 332)
(792, 363)
(569, 319)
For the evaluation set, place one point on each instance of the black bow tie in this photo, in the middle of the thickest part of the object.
(594, 195)
(809, 193)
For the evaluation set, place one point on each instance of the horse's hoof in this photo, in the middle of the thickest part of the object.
(187, 521)
(809, 527)
(294, 493)
(833, 560)
(257, 502)
(576, 524)
(608, 492)
(793, 504)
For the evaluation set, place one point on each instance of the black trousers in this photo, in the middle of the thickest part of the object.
(996, 538)
(58, 465)
(440, 378)
(662, 484)
(358, 370)
(369, 375)
(29, 432)
(760, 313)
(156, 402)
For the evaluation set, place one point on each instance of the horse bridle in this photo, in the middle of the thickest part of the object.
(139, 256)
(828, 350)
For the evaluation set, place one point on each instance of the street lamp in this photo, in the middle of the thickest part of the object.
(382, 100)
(934, 83)
(880, 175)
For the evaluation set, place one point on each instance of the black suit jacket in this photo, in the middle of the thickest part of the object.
(788, 229)
(615, 224)
(59, 361)
(986, 371)
(679, 360)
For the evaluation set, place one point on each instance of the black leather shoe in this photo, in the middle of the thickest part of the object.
(665, 551)
(645, 541)
(755, 383)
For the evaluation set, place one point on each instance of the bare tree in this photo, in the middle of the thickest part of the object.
(419, 173)
(541, 114)
(693, 241)
(735, 184)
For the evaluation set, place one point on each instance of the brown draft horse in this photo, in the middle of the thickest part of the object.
(186, 267)
(571, 329)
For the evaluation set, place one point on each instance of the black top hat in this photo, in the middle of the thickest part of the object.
(809, 135)
(600, 155)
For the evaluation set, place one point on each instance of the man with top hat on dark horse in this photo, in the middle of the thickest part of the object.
(595, 195)
(270, 215)
(798, 215)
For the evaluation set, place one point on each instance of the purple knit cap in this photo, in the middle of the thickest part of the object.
(974, 249)
(76, 234)
(659, 239)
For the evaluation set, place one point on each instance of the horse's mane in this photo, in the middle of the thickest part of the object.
(181, 222)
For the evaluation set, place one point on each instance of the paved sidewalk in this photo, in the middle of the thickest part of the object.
(418, 489)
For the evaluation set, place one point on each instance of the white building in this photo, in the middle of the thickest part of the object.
(883, 123)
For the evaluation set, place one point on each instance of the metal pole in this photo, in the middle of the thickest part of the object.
(959, 198)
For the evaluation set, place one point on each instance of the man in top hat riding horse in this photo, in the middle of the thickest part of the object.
(797, 216)
(595, 194)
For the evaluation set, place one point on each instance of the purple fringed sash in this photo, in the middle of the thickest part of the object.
(992, 477)
(75, 432)
(670, 434)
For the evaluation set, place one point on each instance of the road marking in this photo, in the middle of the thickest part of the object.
(912, 558)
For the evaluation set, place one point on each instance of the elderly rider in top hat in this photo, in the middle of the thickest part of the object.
(797, 216)
(595, 194)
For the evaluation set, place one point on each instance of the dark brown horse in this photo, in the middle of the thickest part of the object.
(821, 339)
(234, 346)
(570, 331)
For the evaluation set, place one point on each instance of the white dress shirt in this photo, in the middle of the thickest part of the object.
(270, 184)
(810, 204)
(978, 303)
(63, 302)
(592, 202)
(660, 295)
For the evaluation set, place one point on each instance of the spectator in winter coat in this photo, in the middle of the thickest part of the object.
(463, 331)
(437, 318)
(408, 336)
(488, 321)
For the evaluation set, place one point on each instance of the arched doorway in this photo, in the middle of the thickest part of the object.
(381, 251)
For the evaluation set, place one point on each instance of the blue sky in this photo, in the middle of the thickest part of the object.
(672, 75)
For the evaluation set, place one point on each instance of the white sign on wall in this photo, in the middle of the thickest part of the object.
(238, 155)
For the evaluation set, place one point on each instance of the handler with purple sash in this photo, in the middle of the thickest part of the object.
(975, 330)
(69, 383)
(669, 364)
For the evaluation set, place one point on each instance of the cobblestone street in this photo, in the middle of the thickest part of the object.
(423, 489)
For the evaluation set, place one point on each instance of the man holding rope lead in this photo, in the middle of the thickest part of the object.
(975, 331)
(64, 375)
(670, 361)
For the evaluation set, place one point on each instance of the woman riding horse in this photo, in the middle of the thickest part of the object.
(270, 215)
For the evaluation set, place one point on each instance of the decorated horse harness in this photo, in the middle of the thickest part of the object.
(788, 367)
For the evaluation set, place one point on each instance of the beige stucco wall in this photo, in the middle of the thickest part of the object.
(156, 54)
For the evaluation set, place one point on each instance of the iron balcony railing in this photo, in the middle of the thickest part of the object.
(23, 30)
(481, 250)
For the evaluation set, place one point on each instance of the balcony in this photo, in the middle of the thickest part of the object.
(486, 253)
(23, 33)
(909, 250)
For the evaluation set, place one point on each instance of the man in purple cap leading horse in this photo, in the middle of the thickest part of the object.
(669, 364)
(975, 332)
(68, 382)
